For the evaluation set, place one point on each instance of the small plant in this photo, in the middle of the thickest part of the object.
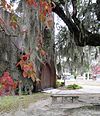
(59, 84)
(73, 86)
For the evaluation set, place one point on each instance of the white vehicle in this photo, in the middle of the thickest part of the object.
(69, 77)
(80, 77)
(98, 77)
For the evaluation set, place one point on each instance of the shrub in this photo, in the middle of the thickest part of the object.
(73, 86)
(59, 84)
(6, 84)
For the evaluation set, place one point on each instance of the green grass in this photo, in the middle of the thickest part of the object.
(12, 103)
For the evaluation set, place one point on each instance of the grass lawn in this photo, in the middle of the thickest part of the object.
(12, 103)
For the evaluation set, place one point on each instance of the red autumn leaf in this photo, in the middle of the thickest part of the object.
(44, 12)
(8, 6)
(3, 3)
(7, 83)
(26, 68)
(24, 74)
(45, 4)
(25, 57)
(30, 2)
(42, 53)
(41, 3)
(13, 25)
(35, 4)
(6, 79)
(1, 21)
(15, 85)
(42, 17)
(49, 10)
(21, 63)
(40, 11)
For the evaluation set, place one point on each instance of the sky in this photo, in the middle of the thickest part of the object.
(15, 4)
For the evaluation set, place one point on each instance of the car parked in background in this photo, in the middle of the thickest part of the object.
(69, 77)
(98, 77)
(79, 77)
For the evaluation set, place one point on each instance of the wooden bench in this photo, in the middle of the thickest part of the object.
(64, 97)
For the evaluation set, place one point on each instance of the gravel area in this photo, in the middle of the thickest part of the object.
(78, 108)
(47, 108)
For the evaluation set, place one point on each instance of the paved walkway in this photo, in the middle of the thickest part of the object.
(86, 89)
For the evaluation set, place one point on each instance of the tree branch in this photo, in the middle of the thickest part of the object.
(59, 11)
(62, 2)
(82, 36)
(74, 4)
(73, 27)
(93, 40)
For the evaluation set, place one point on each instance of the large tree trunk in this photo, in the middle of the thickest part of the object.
(35, 40)
(49, 47)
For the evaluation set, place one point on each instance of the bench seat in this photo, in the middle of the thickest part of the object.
(64, 96)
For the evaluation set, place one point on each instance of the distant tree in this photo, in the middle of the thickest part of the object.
(77, 56)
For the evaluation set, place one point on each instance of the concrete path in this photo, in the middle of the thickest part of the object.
(85, 89)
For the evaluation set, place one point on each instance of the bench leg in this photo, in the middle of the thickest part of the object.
(54, 100)
(74, 98)
(66, 98)
(62, 100)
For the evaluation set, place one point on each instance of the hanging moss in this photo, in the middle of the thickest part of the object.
(47, 39)
(59, 67)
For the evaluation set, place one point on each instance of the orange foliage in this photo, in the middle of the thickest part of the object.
(6, 83)
(32, 2)
(6, 5)
(27, 67)
(13, 25)
(42, 17)
(49, 21)
(24, 74)
(45, 8)
(15, 85)
(42, 52)
(13, 21)
(25, 57)
(21, 63)
(1, 21)
(9, 6)
(3, 3)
